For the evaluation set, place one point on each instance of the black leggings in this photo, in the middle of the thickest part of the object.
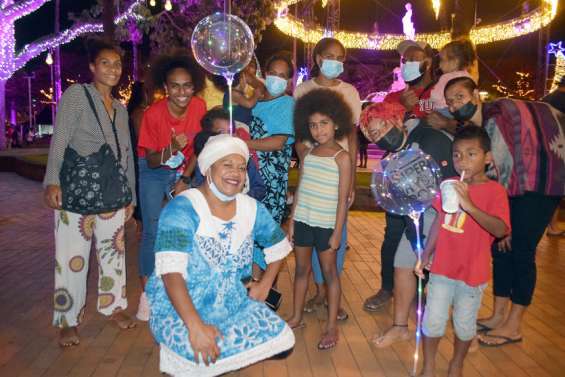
(514, 272)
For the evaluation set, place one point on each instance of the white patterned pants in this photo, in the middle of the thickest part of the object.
(73, 238)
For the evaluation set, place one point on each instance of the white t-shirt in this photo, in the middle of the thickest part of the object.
(349, 93)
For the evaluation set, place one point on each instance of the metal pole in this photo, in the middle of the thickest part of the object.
(29, 78)
(57, 89)
(52, 97)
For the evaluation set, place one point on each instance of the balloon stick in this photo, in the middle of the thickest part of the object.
(229, 79)
(415, 216)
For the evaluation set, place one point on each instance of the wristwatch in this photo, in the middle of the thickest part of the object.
(185, 179)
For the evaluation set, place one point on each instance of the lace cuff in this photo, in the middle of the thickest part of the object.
(167, 262)
(278, 251)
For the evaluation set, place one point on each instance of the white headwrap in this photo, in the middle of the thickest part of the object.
(218, 147)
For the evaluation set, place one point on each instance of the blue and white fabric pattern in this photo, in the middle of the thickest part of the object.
(213, 256)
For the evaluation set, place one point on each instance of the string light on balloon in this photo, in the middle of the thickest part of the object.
(168, 5)
(152, 3)
(522, 25)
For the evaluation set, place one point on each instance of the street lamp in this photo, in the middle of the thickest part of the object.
(49, 62)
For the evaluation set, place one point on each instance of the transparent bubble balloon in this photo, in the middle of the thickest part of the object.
(408, 184)
(223, 44)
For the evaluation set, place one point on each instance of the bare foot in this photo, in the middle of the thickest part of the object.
(329, 339)
(313, 303)
(295, 323)
(492, 322)
(123, 320)
(392, 335)
(68, 337)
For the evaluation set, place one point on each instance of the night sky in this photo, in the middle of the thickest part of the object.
(501, 58)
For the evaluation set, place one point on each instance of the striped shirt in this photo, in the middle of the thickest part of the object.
(318, 191)
(76, 126)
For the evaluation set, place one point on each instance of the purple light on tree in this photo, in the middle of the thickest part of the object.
(12, 60)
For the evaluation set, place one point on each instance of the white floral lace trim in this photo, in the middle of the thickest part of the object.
(278, 251)
(167, 262)
(177, 366)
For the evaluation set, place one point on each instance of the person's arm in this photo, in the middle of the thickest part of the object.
(269, 235)
(130, 163)
(353, 149)
(68, 116)
(492, 224)
(290, 222)
(268, 144)
(440, 122)
(202, 337)
(184, 180)
(240, 99)
(344, 167)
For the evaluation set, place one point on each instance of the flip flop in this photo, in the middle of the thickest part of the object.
(482, 328)
(325, 345)
(343, 317)
(506, 340)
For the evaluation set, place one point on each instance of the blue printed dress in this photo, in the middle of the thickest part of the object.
(272, 118)
(213, 256)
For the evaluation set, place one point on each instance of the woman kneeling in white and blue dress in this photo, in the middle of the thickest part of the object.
(203, 317)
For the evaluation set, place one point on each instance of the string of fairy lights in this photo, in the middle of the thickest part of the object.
(525, 24)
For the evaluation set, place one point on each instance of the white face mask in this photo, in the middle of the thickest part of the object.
(217, 193)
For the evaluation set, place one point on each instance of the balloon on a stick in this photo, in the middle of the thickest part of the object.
(223, 45)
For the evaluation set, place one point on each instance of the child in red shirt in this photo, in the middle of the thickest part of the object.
(462, 242)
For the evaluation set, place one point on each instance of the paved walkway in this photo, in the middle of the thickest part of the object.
(28, 343)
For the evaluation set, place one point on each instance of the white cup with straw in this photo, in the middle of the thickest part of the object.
(449, 198)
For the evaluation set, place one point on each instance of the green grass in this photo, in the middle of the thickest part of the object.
(39, 159)
(363, 178)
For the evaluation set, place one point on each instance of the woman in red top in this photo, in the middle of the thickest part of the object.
(165, 145)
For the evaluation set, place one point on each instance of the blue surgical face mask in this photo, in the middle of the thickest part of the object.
(174, 161)
(275, 85)
(331, 68)
(217, 193)
(411, 71)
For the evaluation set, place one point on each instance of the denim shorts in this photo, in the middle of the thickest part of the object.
(466, 301)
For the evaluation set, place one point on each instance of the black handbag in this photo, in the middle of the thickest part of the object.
(95, 183)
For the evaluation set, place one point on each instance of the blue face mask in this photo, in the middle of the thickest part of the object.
(411, 71)
(174, 161)
(331, 68)
(275, 85)
(465, 112)
(217, 193)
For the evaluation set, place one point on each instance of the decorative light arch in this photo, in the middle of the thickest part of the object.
(525, 24)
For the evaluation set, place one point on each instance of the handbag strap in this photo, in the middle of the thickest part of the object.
(91, 103)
